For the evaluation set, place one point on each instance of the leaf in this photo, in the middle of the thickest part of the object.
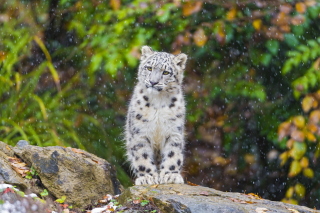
(289, 192)
(273, 46)
(300, 190)
(231, 14)
(308, 173)
(284, 157)
(283, 130)
(199, 37)
(115, 4)
(299, 121)
(301, 7)
(257, 23)
(314, 117)
(191, 184)
(205, 193)
(304, 162)
(44, 193)
(310, 137)
(295, 168)
(61, 200)
(307, 103)
(298, 150)
(191, 7)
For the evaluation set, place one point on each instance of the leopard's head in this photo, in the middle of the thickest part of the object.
(161, 71)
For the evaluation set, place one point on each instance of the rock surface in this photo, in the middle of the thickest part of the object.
(195, 199)
(80, 176)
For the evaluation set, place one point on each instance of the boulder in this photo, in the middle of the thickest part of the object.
(80, 176)
(194, 199)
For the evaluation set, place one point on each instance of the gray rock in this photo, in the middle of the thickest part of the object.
(80, 176)
(7, 174)
(194, 199)
(22, 143)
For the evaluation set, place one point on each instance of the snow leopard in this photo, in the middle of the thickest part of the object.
(154, 131)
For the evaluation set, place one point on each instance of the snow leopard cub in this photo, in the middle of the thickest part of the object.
(155, 120)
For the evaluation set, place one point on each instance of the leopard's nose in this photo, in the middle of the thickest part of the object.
(153, 83)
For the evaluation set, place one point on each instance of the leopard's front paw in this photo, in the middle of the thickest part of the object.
(171, 178)
(147, 180)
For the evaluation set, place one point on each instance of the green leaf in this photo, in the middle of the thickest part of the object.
(291, 40)
(265, 59)
(44, 193)
(273, 46)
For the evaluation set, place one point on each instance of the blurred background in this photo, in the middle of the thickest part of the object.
(68, 67)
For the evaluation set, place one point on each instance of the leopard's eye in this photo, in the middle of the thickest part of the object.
(165, 73)
(149, 68)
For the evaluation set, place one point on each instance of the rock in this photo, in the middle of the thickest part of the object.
(194, 199)
(7, 174)
(80, 176)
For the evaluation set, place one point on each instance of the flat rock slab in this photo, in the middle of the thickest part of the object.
(194, 199)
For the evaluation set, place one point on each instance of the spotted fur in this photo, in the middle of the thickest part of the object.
(155, 121)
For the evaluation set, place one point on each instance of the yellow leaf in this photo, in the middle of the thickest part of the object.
(3, 56)
(311, 137)
(200, 37)
(312, 127)
(304, 162)
(307, 103)
(257, 23)
(284, 157)
(308, 173)
(289, 192)
(191, 7)
(300, 190)
(115, 4)
(301, 7)
(299, 121)
(231, 14)
(295, 168)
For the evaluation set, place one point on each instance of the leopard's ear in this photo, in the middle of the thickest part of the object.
(146, 51)
(180, 60)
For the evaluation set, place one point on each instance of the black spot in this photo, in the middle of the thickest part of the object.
(141, 91)
(179, 128)
(152, 163)
(162, 167)
(137, 158)
(172, 167)
(172, 119)
(166, 173)
(139, 116)
(139, 102)
(179, 162)
(141, 174)
(142, 168)
(145, 98)
(176, 144)
(174, 172)
(175, 77)
(171, 105)
(151, 174)
(135, 131)
(145, 120)
(179, 115)
(174, 99)
(148, 170)
(148, 140)
(136, 147)
(171, 154)
(145, 155)
(147, 104)
(167, 139)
